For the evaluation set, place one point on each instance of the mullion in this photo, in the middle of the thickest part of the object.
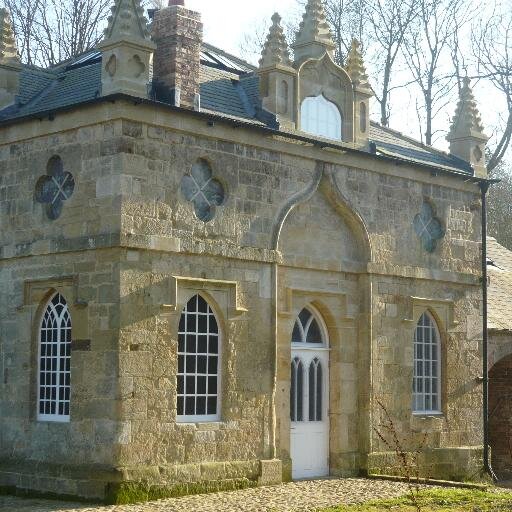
(201, 330)
(426, 339)
(54, 360)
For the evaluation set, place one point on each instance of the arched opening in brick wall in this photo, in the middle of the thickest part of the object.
(500, 417)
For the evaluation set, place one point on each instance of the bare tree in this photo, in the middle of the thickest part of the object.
(390, 21)
(500, 206)
(251, 43)
(50, 31)
(24, 14)
(426, 44)
(347, 20)
(492, 47)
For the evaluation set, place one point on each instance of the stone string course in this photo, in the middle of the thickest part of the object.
(303, 496)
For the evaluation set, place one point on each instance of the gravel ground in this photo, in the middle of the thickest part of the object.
(290, 497)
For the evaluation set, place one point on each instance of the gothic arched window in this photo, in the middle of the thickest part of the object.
(54, 375)
(321, 117)
(307, 329)
(307, 378)
(427, 367)
(198, 379)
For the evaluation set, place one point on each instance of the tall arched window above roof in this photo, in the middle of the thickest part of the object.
(321, 117)
(198, 379)
(54, 365)
(427, 367)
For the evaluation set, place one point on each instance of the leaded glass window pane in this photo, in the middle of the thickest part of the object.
(198, 363)
(54, 387)
(307, 329)
(427, 367)
(321, 117)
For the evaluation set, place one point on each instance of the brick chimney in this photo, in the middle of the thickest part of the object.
(178, 34)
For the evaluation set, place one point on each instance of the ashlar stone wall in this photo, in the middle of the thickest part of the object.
(288, 226)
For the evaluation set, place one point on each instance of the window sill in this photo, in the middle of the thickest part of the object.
(427, 415)
(193, 420)
(53, 419)
(207, 425)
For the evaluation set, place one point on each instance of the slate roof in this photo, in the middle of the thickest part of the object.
(229, 88)
(499, 266)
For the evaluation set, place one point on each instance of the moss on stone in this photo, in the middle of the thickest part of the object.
(125, 493)
(9, 490)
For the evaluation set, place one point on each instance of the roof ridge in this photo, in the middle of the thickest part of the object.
(36, 69)
(70, 60)
(214, 48)
(414, 141)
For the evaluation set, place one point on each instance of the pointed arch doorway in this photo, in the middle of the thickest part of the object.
(309, 397)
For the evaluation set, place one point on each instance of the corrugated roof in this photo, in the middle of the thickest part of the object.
(229, 87)
(499, 268)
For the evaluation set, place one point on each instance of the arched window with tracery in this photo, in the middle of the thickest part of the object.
(427, 366)
(198, 378)
(307, 329)
(307, 382)
(321, 117)
(54, 362)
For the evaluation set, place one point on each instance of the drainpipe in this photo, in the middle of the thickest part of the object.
(484, 187)
(273, 418)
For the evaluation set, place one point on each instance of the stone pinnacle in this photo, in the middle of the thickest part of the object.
(355, 66)
(275, 51)
(8, 50)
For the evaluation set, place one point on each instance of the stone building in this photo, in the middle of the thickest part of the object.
(499, 264)
(216, 276)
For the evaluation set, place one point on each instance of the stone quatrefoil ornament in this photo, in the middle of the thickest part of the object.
(54, 188)
(428, 227)
(202, 190)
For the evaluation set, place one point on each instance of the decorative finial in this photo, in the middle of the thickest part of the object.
(466, 136)
(127, 21)
(314, 30)
(8, 50)
(127, 51)
(467, 121)
(355, 66)
(275, 50)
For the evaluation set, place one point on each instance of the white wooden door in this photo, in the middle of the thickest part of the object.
(309, 401)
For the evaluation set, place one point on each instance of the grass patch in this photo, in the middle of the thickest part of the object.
(438, 500)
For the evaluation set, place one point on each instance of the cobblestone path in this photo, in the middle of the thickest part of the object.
(291, 497)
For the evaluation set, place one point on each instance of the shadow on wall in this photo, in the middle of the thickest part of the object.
(500, 417)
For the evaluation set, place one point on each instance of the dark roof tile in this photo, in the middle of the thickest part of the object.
(229, 87)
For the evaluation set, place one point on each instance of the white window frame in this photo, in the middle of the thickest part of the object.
(321, 117)
(62, 418)
(200, 418)
(433, 334)
(310, 346)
